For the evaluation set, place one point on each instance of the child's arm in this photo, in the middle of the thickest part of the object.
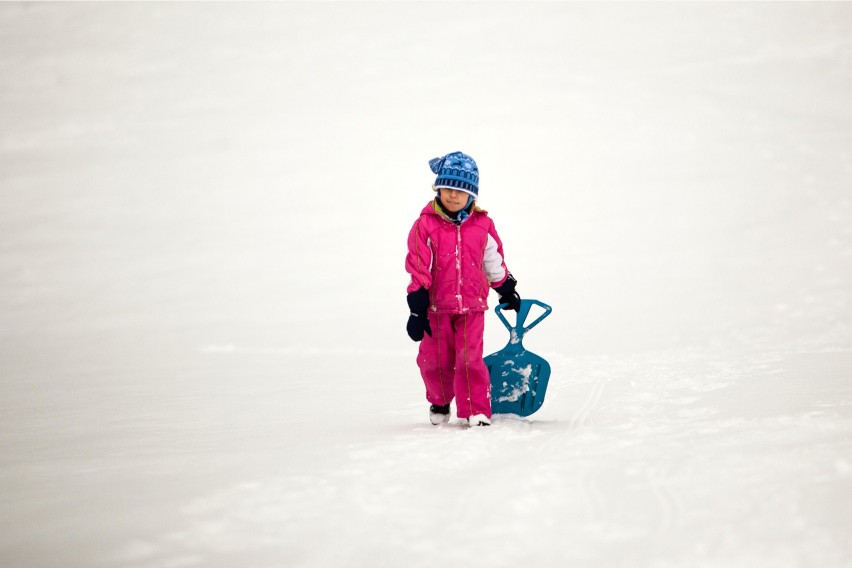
(495, 263)
(498, 274)
(418, 262)
(495, 266)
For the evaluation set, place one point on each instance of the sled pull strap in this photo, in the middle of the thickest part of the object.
(522, 315)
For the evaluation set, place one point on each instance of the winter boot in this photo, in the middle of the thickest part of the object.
(479, 420)
(439, 414)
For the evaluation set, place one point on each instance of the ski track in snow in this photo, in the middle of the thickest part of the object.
(581, 418)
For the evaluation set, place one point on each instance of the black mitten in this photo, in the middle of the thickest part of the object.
(508, 294)
(418, 321)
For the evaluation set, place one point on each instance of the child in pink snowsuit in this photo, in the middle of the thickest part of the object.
(454, 258)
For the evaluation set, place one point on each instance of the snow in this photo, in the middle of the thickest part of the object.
(516, 393)
(203, 220)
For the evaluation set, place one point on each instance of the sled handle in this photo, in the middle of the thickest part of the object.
(522, 315)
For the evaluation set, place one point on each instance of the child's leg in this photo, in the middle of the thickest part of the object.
(436, 359)
(472, 382)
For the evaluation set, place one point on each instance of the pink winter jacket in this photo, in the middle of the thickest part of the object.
(458, 264)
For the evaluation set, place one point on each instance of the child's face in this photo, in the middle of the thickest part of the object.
(453, 199)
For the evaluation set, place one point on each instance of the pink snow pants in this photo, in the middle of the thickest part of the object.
(451, 363)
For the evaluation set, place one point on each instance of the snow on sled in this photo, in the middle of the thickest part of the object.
(518, 377)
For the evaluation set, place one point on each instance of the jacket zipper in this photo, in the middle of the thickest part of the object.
(459, 269)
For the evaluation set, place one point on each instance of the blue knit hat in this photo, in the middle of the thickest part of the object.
(456, 171)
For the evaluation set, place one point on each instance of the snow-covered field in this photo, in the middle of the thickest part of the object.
(203, 213)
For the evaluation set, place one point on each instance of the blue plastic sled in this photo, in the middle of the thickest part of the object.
(518, 377)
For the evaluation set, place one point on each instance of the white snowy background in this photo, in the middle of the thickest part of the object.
(203, 214)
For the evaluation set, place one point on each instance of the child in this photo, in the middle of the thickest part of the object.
(454, 258)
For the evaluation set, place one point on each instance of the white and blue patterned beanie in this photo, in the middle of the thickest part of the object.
(456, 171)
